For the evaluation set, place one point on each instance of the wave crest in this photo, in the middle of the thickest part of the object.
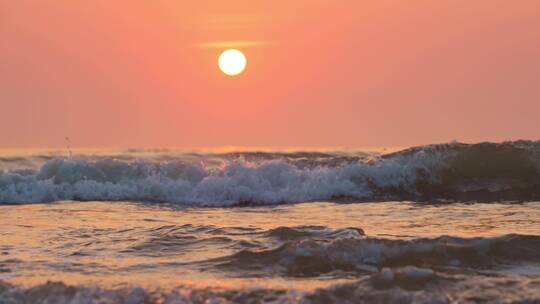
(307, 258)
(453, 171)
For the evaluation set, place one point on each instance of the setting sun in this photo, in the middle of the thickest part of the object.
(232, 62)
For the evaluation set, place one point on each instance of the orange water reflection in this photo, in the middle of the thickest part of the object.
(85, 242)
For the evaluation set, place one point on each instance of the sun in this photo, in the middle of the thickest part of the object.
(232, 62)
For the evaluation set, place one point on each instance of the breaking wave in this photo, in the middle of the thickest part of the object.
(486, 171)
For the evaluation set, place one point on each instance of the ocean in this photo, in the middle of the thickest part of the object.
(444, 223)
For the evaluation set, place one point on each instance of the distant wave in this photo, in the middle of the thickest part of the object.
(486, 171)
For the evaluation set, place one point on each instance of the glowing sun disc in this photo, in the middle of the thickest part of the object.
(232, 62)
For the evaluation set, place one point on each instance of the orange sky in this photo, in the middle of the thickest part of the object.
(320, 73)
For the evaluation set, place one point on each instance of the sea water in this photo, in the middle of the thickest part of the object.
(450, 223)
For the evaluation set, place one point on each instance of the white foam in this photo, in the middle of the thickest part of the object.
(266, 182)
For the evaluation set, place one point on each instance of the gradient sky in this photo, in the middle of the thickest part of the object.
(320, 73)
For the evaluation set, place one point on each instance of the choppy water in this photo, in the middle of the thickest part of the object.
(313, 252)
(298, 227)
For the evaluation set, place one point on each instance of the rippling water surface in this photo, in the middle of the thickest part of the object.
(447, 223)
(306, 249)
